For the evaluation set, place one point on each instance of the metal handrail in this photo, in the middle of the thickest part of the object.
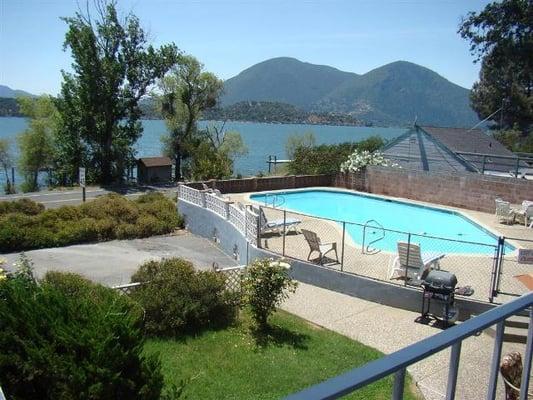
(379, 226)
(397, 362)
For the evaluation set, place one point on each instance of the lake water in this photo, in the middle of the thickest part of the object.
(262, 140)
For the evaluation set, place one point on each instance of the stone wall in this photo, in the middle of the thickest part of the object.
(465, 190)
(266, 183)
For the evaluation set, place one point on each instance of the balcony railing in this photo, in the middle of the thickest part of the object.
(396, 363)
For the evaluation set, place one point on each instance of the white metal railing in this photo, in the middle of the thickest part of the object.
(245, 220)
(216, 204)
(237, 218)
(190, 195)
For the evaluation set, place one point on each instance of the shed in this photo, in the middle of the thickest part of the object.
(154, 170)
(429, 148)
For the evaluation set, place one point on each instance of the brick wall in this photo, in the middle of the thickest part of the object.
(265, 183)
(466, 190)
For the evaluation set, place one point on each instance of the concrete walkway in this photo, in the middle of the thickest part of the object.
(113, 263)
(390, 329)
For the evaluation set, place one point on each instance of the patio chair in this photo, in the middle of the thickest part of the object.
(316, 245)
(276, 225)
(525, 212)
(505, 213)
(412, 264)
(206, 188)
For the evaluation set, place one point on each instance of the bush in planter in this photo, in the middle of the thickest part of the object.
(68, 338)
(265, 285)
(179, 300)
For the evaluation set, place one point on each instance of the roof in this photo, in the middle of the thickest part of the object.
(155, 161)
(468, 141)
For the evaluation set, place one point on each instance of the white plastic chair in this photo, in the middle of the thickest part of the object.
(411, 263)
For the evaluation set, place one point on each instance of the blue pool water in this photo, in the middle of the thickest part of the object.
(427, 225)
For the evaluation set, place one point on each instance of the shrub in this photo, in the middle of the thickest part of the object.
(26, 225)
(265, 285)
(178, 300)
(327, 159)
(23, 206)
(69, 338)
(358, 160)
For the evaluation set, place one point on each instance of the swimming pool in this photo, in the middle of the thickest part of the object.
(426, 224)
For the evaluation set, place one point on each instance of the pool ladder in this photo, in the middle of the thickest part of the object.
(368, 249)
(277, 200)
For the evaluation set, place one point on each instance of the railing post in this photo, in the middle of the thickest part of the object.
(342, 250)
(492, 289)
(526, 371)
(258, 233)
(483, 164)
(453, 371)
(284, 231)
(517, 166)
(407, 259)
(399, 380)
(495, 364)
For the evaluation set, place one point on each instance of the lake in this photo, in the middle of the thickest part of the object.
(261, 139)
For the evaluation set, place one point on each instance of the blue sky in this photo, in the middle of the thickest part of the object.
(231, 35)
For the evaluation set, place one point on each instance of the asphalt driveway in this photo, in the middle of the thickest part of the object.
(113, 263)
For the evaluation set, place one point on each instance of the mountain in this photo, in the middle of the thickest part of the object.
(393, 94)
(284, 80)
(6, 91)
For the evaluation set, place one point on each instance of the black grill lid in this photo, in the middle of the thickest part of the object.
(440, 280)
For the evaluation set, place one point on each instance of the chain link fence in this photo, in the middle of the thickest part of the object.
(372, 250)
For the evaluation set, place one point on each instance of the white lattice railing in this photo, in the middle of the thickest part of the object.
(190, 195)
(216, 204)
(244, 219)
(237, 218)
(233, 276)
(251, 226)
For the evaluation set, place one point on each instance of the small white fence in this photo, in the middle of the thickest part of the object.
(241, 217)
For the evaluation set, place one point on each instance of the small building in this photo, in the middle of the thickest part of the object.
(429, 148)
(154, 170)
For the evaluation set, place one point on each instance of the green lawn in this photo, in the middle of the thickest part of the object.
(236, 364)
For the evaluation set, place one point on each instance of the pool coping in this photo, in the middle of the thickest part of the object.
(454, 210)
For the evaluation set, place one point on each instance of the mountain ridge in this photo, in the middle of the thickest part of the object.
(7, 92)
(395, 93)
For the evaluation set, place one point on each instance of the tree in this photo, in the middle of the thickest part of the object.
(37, 142)
(295, 141)
(99, 103)
(6, 161)
(186, 92)
(501, 37)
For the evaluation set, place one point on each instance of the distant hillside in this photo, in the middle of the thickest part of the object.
(266, 111)
(6, 91)
(393, 94)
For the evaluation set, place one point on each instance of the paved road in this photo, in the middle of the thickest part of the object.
(58, 198)
(113, 263)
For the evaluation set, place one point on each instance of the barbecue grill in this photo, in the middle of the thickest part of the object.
(440, 286)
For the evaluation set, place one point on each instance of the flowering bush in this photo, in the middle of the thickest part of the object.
(358, 160)
(266, 284)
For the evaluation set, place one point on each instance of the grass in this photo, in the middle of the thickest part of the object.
(238, 363)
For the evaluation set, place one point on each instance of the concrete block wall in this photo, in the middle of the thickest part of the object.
(465, 190)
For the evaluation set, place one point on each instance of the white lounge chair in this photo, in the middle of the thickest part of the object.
(412, 264)
(276, 225)
(525, 212)
(504, 212)
(316, 245)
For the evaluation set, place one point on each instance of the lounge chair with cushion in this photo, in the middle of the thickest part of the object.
(316, 245)
(412, 264)
(525, 213)
(276, 225)
(504, 212)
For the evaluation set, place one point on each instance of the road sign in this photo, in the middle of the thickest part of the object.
(82, 177)
(525, 256)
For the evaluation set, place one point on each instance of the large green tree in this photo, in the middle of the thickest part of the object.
(36, 143)
(6, 162)
(501, 37)
(113, 66)
(185, 93)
